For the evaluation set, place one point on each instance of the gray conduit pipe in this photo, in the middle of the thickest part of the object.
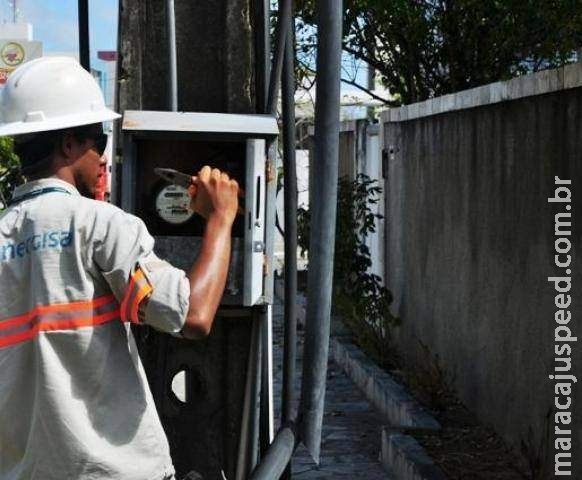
(290, 209)
(263, 55)
(256, 373)
(266, 436)
(278, 456)
(323, 222)
(323, 204)
(243, 448)
(173, 77)
(283, 23)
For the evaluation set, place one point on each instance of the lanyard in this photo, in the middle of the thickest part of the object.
(37, 193)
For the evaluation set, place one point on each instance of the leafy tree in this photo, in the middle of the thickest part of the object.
(426, 48)
(10, 175)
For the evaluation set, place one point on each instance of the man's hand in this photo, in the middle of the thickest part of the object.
(214, 194)
(215, 197)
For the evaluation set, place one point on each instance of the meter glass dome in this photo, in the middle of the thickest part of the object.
(173, 205)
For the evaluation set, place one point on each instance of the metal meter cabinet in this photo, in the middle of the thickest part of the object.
(205, 426)
(187, 141)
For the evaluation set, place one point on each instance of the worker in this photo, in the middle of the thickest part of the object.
(74, 274)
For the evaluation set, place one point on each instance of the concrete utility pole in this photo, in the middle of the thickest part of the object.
(215, 73)
(215, 55)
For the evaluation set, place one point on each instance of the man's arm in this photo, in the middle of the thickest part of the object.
(216, 199)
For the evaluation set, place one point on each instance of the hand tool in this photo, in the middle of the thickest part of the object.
(184, 180)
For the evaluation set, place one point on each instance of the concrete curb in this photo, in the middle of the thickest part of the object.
(405, 459)
(387, 395)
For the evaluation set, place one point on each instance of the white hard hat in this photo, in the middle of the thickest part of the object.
(51, 93)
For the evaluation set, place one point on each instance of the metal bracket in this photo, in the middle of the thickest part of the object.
(388, 155)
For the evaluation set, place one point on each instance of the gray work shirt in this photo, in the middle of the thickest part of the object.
(74, 400)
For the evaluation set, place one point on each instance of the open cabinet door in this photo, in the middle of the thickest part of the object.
(254, 222)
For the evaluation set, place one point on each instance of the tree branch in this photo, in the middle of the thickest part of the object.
(390, 103)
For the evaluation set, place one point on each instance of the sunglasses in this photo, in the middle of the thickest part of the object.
(100, 142)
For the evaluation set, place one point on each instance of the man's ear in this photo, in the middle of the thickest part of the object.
(69, 146)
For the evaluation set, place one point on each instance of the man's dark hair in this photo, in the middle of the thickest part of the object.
(36, 151)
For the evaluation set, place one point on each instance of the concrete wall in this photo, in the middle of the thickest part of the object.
(470, 241)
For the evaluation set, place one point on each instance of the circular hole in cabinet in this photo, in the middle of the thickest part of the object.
(179, 386)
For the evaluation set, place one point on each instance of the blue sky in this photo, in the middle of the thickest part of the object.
(55, 23)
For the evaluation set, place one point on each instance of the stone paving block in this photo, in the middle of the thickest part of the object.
(352, 459)
(349, 407)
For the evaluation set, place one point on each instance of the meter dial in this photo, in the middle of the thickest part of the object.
(173, 205)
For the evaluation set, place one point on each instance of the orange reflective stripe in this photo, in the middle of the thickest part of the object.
(78, 322)
(128, 293)
(70, 319)
(55, 308)
(60, 325)
(144, 291)
(82, 305)
(137, 289)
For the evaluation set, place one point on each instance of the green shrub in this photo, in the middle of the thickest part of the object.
(10, 175)
(359, 296)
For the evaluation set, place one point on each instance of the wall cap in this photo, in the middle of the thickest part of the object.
(539, 83)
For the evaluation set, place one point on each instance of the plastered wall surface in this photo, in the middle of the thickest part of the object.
(470, 245)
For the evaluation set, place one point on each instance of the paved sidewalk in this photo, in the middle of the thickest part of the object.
(351, 426)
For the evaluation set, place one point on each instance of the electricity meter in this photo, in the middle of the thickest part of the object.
(173, 205)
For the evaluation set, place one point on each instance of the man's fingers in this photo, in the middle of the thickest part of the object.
(204, 173)
(216, 174)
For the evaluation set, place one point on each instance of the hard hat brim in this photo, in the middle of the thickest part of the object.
(58, 123)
